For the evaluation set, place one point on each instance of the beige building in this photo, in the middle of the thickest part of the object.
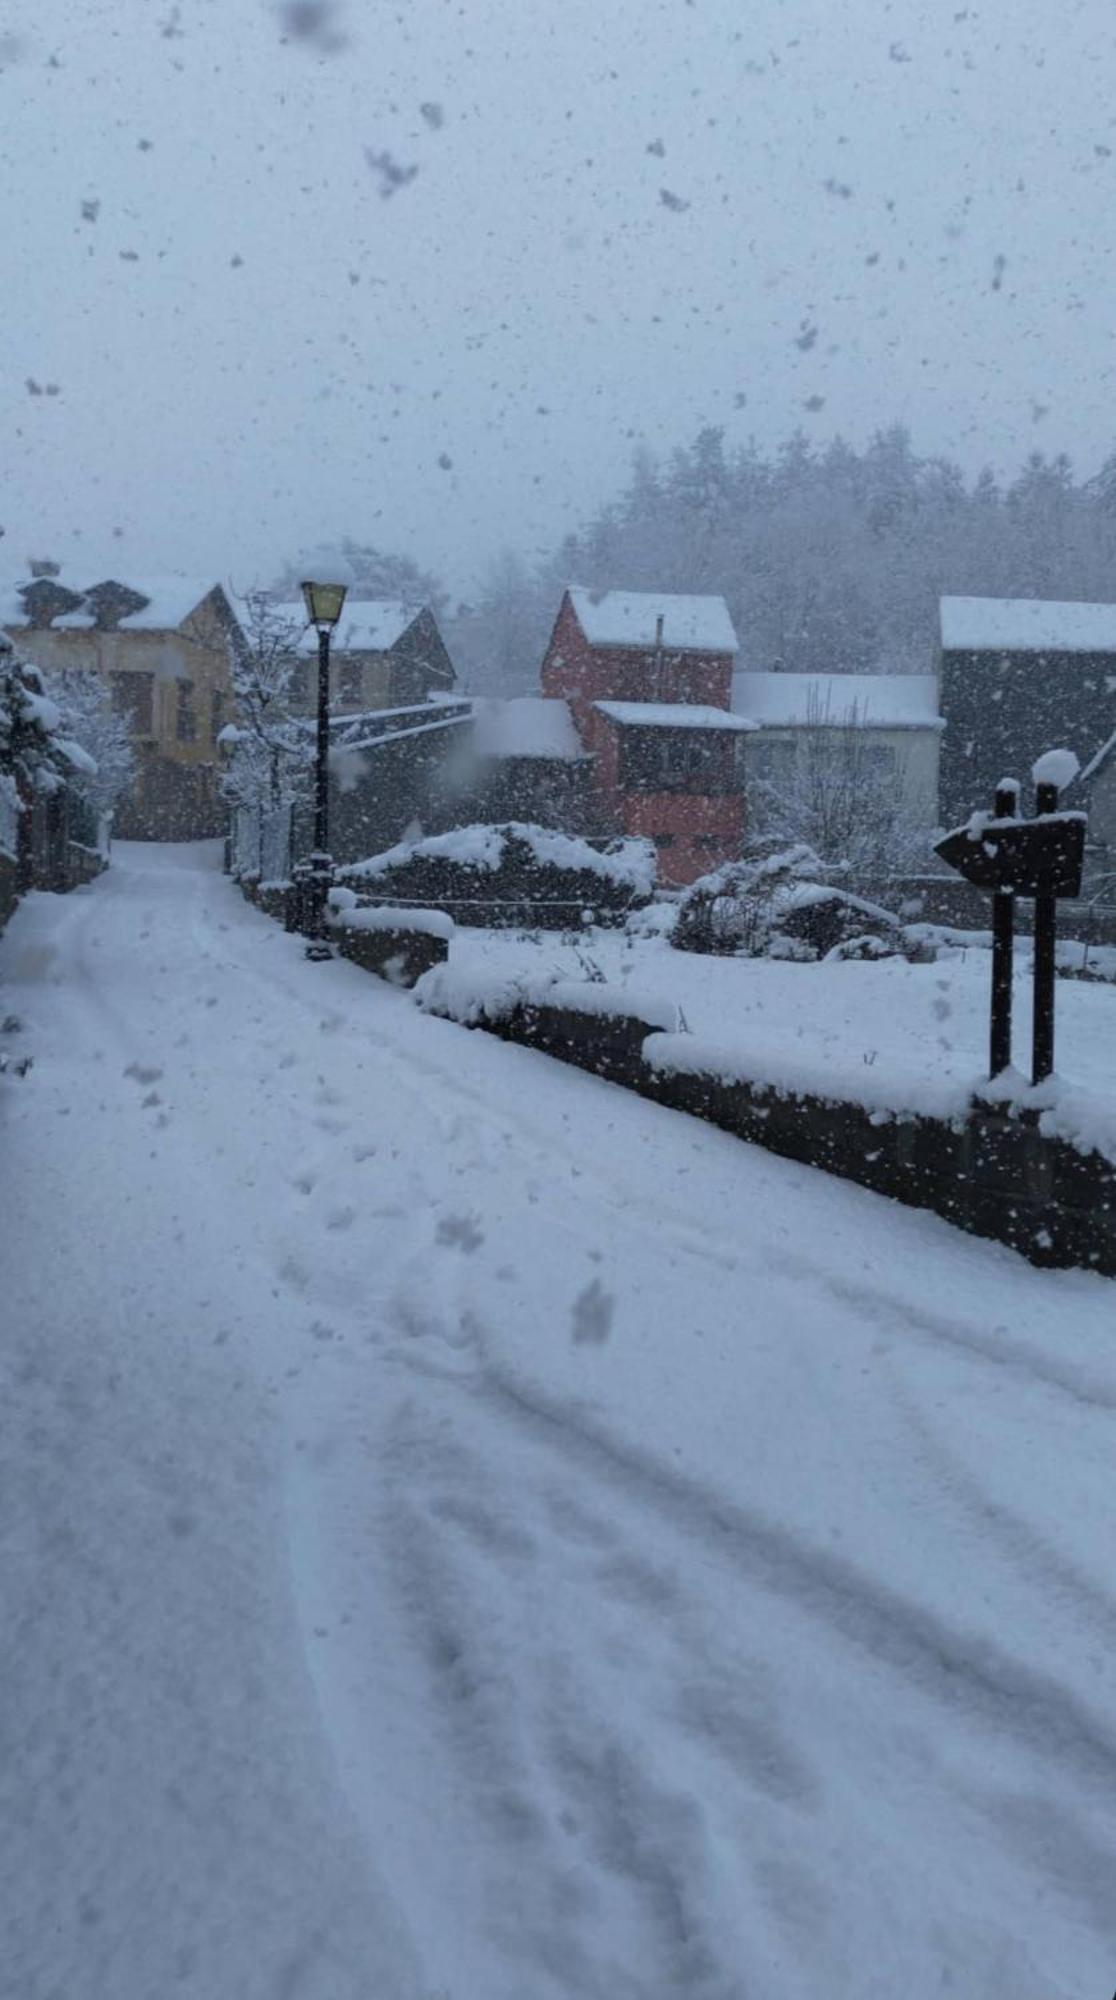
(162, 648)
(384, 654)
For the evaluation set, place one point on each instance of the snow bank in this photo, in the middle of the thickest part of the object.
(1083, 1119)
(889, 1095)
(431, 923)
(1080, 1117)
(478, 994)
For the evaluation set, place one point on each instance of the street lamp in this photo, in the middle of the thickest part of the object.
(324, 605)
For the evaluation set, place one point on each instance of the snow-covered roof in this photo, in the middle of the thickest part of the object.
(630, 618)
(875, 701)
(367, 625)
(672, 715)
(526, 726)
(171, 599)
(1026, 625)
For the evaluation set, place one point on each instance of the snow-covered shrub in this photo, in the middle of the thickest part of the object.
(512, 875)
(783, 907)
(36, 754)
(89, 717)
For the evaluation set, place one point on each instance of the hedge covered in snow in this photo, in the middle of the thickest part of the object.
(515, 874)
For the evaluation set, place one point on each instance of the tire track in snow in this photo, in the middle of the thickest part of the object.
(961, 1669)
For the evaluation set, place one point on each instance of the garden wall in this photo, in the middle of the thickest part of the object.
(990, 1170)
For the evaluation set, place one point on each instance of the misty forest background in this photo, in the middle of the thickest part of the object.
(831, 559)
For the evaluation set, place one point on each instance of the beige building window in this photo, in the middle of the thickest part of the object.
(133, 697)
(216, 712)
(186, 720)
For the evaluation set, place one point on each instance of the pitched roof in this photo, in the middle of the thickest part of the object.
(672, 715)
(171, 599)
(873, 701)
(526, 726)
(630, 618)
(367, 625)
(1026, 625)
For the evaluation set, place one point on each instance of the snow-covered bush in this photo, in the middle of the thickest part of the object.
(512, 875)
(36, 754)
(783, 907)
(88, 716)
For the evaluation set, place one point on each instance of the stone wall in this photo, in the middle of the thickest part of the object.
(992, 1172)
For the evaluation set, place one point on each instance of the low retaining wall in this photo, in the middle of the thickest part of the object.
(398, 945)
(991, 1171)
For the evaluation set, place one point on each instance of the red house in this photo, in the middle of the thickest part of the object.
(648, 681)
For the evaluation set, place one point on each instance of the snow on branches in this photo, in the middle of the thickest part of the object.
(267, 748)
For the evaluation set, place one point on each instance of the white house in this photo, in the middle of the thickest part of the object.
(895, 716)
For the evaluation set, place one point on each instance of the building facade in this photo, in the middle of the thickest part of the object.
(647, 680)
(383, 654)
(889, 725)
(1019, 676)
(161, 647)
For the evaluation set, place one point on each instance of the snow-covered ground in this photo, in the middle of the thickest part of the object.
(876, 1020)
(470, 1532)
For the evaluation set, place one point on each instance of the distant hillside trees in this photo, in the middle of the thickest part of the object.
(831, 558)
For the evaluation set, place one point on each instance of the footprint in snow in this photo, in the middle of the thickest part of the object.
(591, 1319)
(144, 1072)
(459, 1231)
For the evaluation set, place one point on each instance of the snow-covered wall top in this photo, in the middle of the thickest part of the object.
(171, 599)
(672, 715)
(630, 618)
(366, 625)
(876, 701)
(473, 994)
(527, 726)
(1024, 625)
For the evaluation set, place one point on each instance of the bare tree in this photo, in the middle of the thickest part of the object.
(267, 746)
(842, 795)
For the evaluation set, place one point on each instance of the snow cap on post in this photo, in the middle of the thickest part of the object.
(1055, 767)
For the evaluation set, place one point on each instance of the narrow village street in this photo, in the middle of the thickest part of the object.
(471, 1534)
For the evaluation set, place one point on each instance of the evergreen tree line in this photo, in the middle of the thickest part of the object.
(831, 559)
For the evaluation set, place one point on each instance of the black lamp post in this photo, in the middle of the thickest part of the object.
(324, 605)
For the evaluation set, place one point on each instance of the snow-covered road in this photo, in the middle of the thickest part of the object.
(469, 1534)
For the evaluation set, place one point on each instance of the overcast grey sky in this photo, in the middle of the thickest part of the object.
(628, 218)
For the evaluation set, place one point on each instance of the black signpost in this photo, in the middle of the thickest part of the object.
(1040, 857)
